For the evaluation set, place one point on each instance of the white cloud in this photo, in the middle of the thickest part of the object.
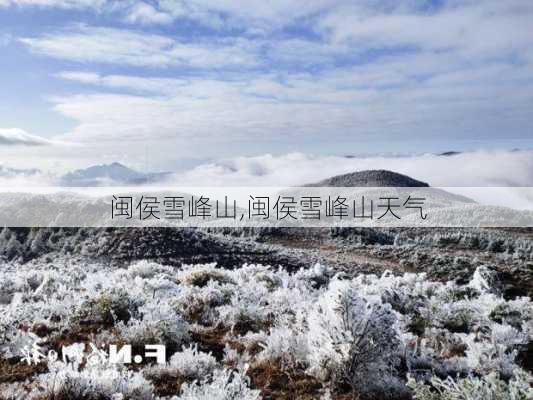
(358, 103)
(481, 29)
(115, 46)
(83, 77)
(68, 4)
(129, 47)
(159, 86)
(463, 36)
(144, 13)
(223, 114)
(255, 16)
(481, 168)
(15, 136)
(377, 71)
(37, 180)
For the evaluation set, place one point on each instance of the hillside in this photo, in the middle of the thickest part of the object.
(370, 178)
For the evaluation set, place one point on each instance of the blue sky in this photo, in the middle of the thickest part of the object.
(92, 81)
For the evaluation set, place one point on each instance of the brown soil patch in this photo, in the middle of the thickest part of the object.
(17, 370)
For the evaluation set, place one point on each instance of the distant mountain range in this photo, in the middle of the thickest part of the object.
(109, 175)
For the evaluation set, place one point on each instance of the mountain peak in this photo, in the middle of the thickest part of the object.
(370, 178)
(96, 175)
(115, 164)
(109, 174)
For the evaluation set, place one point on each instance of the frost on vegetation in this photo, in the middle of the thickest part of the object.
(224, 385)
(351, 338)
(147, 270)
(138, 333)
(490, 386)
(364, 333)
(285, 344)
(201, 275)
(190, 364)
(199, 304)
(492, 241)
(93, 382)
(108, 308)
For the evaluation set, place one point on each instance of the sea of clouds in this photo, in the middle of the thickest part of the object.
(480, 168)
(461, 172)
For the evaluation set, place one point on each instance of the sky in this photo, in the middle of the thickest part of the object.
(165, 83)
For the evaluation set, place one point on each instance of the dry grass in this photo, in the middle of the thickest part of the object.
(17, 370)
(276, 382)
(167, 384)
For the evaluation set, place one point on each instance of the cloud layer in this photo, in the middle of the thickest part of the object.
(14, 137)
(119, 46)
(481, 168)
(461, 173)
(65, 4)
(191, 76)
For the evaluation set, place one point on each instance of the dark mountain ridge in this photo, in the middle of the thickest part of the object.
(370, 178)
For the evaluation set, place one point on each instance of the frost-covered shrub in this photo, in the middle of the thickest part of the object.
(13, 391)
(514, 313)
(225, 385)
(247, 309)
(458, 317)
(269, 279)
(347, 332)
(189, 364)
(172, 333)
(107, 308)
(192, 363)
(93, 382)
(474, 388)
(236, 360)
(442, 346)
(12, 249)
(146, 269)
(287, 345)
(498, 353)
(199, 303)
(200, 275)
(11, 285)
(351, 338)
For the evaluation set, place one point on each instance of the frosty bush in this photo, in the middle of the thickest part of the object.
(474, 388)
(497, 354)
(172, 333)
(189, 364)
(107, 308)
(458, 317)
(225, 385)
(200, 275)
(93, 382)
(351, 339)
(243, 313)
(515, 313)
(146, 270)
(199, 303)
(349, 333)
(287, 345)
